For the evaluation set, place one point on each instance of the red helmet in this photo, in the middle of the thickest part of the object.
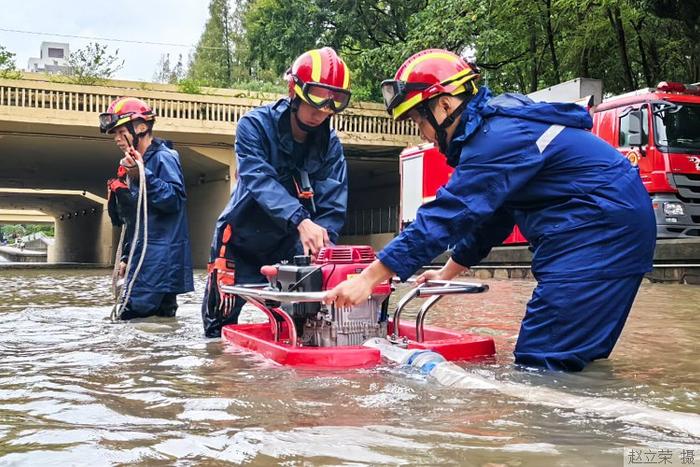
(425, 75)
(320, 78)
(124, 110)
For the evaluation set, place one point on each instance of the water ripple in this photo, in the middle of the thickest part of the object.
(76, 389)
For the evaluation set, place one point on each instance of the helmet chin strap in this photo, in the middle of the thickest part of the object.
(296, 102)
(136, 137)
(441, 128)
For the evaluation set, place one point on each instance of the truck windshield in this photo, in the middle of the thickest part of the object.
(677, 126)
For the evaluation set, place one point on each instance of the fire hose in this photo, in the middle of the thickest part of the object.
(448, 374)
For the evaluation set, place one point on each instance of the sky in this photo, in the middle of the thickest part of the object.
(164, 21)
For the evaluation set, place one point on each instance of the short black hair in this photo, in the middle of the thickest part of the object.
(148, 123)
(432, 102)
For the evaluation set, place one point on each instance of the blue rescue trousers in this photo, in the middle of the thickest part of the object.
(247, 269)
(569, 324)
(143, 305)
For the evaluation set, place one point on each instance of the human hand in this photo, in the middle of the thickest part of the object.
(115, 184)
(448, 272)
(349, 292)
(430, 275)
(313, 237)
(129, 161)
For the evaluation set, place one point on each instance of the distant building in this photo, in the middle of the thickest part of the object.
(53, 58)
(37, 241)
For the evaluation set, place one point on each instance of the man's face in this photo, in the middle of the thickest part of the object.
(312, 116)
(427, 132)
(122, 138)
(440, 110)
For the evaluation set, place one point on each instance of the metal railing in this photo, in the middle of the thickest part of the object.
(372, 221)
(174, 105)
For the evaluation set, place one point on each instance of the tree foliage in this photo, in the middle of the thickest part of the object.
(218, 57)
(519, 46)
(169, 74)
(7, 64)
(11, 231)
(93, 64)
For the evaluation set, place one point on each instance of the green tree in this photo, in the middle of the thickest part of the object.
(7, 64)
(686, 14)
(213, 61)
(20, 230)
(167, 73)
(520, 46)
(277, 31)
(93, 64)
(163, 72)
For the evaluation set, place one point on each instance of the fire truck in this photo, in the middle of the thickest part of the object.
(423, 170)
(657, 129)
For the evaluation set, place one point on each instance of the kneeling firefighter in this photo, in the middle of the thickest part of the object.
(291, 193)
(164, 259)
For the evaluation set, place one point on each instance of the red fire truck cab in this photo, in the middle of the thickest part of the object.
(659, 131)
(423, 170)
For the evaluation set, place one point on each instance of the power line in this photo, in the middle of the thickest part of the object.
(107, 39)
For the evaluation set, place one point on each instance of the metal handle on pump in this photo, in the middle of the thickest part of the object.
(274, 295)
(435, 289)
(257, 295)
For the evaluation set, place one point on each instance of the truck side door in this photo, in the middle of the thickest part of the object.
(638, 156)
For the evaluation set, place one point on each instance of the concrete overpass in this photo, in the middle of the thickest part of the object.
(23, 216)
(53, 158)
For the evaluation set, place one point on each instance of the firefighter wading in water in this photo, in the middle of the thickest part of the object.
(167, 267)
(582, 207)
(291, 194)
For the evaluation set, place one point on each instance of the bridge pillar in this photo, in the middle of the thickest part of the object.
(85, 238)
(206, 198)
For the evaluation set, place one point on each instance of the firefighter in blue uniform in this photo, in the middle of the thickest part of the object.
(291, 194)
(167, 267)
(580, 204)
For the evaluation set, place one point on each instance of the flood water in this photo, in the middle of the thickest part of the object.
(76, 389)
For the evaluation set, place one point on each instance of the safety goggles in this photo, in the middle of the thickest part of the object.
(394, 91)
(109, 120)
(320, 95)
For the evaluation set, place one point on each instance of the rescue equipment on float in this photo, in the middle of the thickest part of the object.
(304, 332)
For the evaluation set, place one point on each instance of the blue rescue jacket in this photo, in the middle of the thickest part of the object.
(264, 209)
(580, 203)
(167, 267)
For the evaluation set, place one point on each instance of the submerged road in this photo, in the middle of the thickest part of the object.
(76, 389)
